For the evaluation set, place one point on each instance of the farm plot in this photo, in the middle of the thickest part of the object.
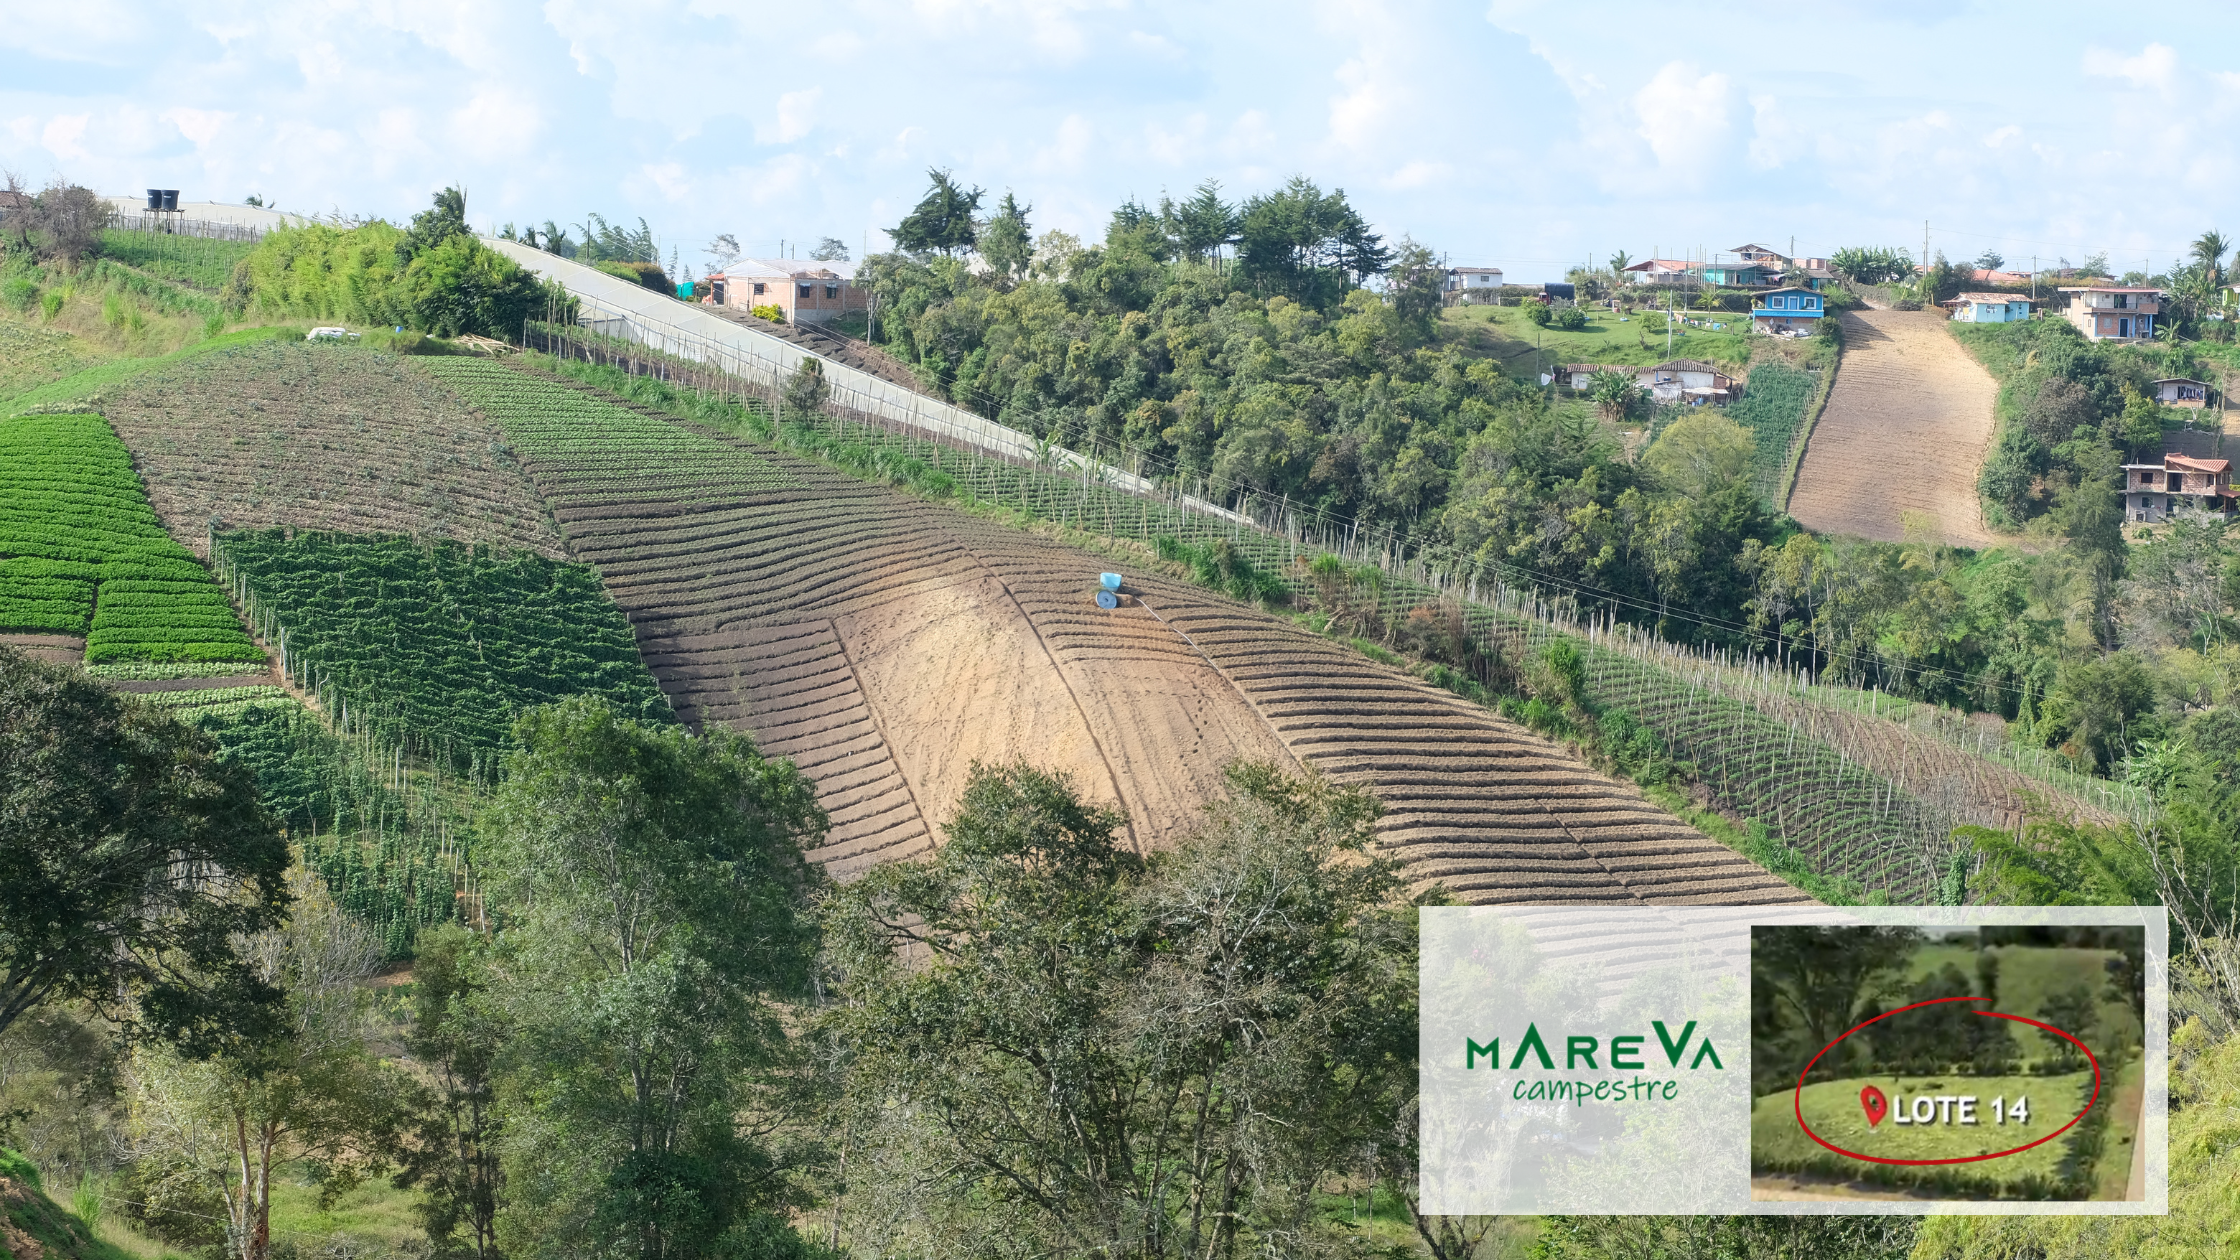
(1905, 789)
(81, 553)
(389, 841)
(432, 646)
(885, 643)
(1906, 426)
(31, 356)
(611, 455)
(320, 437)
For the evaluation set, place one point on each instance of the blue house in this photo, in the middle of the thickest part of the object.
(1989, 308)
(1741, 275)
(1790, 312)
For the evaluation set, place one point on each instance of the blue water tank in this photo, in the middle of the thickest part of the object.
(1109, 581)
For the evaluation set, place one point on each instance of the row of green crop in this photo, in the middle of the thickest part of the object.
(434, 646)
(82, 553)
(552, 423)
(391, 843)
(190, 260)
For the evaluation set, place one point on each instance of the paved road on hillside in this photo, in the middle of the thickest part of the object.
(1905, 432)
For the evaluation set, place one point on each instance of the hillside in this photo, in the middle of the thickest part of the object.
(887, 643)
(1905, 430)
(34, 1227)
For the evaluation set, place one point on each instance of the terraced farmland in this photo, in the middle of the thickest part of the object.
(81, 553)
(885, 643)
(319, 437)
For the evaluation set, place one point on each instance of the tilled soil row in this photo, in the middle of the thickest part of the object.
(885, 643)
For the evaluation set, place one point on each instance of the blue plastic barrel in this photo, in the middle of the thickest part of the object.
(1107, 600)
(1110, 581)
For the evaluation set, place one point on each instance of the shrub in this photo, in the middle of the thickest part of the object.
(775, 314)
(1537, 311)
(1568, 319)
(20, 293)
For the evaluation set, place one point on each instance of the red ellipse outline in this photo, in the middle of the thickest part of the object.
(1797, 1098)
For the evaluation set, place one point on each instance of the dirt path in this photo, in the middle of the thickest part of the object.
(1905, 432)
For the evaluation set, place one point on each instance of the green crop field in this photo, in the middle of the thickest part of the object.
(188, 260)
(31, 356)
(387, 839)
(433, 645)
(82, 553)
(2054, 1170)
(1773, 409)
(610, 451)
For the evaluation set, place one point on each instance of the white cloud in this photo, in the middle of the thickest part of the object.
(201, 126)
(670, 178)
(1419, 175)
(1999, 138)
(1175, 147)
(797, 117)
(2155, 68)
(1682, 114)
(62, 134)
(1775, 139)
(494, 122)
(1069, 148)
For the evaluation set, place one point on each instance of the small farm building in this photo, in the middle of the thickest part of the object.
(2114, 312)
(1471, 280)
(2181, 391)
(809, 292)
(1787, 312)
(1988, 308)
(1687, 380)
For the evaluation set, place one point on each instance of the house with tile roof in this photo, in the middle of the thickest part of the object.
(2178, 486)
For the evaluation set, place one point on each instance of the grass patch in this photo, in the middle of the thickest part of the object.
(1503, 333)
(88, 385)
(1832, 1109)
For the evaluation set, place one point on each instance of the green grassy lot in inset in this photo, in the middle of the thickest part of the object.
(1832, 1109)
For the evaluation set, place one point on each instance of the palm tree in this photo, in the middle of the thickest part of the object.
(2209, 250)
(1618, 264)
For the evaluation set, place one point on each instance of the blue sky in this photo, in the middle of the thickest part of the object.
(1531, 134)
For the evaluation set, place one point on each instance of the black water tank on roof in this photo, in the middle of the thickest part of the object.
(155, 199)
(170, 198)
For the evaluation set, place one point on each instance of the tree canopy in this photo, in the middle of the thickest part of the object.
(131, 861)
(942, 222)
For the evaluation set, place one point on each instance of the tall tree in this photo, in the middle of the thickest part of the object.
(1007, 242)
(830, 249)
(1205, 224)
(459, 1030)
(1056, 1046)
(1822, 973)
(131, 861)
(2209, 250)
(942, 220)
(1307, 245)
(312, 1094)
(655, 885)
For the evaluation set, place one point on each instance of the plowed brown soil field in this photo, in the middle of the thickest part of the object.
(1905, 431)
(885, 644)
(320, 437)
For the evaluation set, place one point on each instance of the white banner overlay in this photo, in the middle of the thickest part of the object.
(1597, 1060)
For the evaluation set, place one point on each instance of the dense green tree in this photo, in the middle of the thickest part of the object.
(1307, 245)
(132, 859)
(1057, 1046)
(942, 220)
(1007, 241)
(653, 887)
(458, 1033)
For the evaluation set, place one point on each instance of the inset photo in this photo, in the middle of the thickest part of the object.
(1947, 1063)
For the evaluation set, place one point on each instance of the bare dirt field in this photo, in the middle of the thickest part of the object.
(320, 437)
(1905, 431)
(885, 644)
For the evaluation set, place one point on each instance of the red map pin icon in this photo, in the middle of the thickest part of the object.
(1874, 1104)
